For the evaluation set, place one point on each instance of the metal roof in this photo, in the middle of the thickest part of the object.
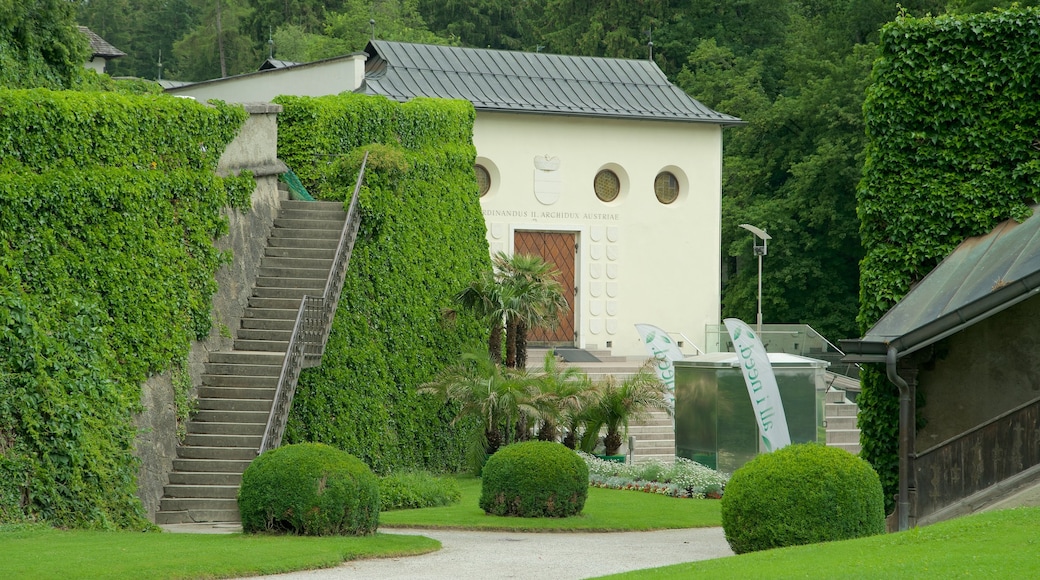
(99, 46)
(525, 82)
(983, 276)
(272, 63)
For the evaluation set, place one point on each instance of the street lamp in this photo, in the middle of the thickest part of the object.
(759, 251)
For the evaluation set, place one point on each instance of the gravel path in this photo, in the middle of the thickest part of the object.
(535, 556)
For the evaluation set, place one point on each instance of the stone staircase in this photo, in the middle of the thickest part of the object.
(840, 417)
(238, 386)
(654, 434)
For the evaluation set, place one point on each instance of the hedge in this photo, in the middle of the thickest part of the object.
(422, 239)
(108, 211)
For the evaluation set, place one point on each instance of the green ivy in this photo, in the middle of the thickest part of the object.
(422, 239)
(109, 206)
(953, 150)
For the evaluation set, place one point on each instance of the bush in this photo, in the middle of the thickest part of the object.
(310, 489)
(417, 489)
(534, 479)
(801, 494)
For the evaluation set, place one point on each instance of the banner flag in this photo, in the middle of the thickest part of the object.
(663, 349)
(761, 385)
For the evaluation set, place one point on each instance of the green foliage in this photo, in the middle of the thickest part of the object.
(40, 45)
(309, 489)
(801, 494)
(417, 489)
(534, 479)
(422, 238)
(951, 118)
(108, 212)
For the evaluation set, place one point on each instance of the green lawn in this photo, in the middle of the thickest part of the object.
(40, 552)
(605, 510)
(1000, 544)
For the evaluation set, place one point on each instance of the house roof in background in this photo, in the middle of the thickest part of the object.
(99, 46)
(273, 63)
(983, 276)
(510, 81)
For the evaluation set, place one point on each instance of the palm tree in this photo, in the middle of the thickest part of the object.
(620, 402)
(563, 393)
(484, 296)
(532, 296)
(495, 397)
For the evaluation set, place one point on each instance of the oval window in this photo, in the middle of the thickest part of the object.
(483, 179)
(666, 187)
(607, 185)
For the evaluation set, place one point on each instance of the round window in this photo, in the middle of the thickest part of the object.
(607, 185)
(483, 179)
(666, 187)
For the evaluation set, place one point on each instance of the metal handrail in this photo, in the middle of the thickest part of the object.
(312, 327)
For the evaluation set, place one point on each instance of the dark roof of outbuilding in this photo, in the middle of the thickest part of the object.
(983, 276)
(525, 82)
(99, 46)
(273, 63)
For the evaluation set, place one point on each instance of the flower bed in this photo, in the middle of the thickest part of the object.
(684, 478)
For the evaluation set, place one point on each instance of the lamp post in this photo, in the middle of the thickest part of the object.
(759, 251)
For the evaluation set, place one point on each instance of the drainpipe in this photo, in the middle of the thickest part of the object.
(903, 500)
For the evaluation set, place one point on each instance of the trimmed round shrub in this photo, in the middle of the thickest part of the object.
(309, 489)
(801, 494)
(534, 479)
(417, 489)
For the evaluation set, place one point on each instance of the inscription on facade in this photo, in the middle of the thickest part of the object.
(559, 215)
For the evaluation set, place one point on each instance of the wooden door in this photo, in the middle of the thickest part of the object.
(558, 248)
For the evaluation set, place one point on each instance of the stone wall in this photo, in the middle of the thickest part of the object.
(254, 149)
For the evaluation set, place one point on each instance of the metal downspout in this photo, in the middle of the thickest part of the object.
(903, 499)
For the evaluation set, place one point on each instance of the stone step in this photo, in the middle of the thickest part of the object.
(249, 357)
(211, 465)
(279, 282)
(272, 313)
(238, 417)
(652, 430)
(205, 478)
(228, 404)
(238, 381)
(219, 453)
(296, 263)
(270, 335)
(279, 232)
(313, 214)
(322, 224)
(288, 303)
(296, 294)
(212, 440)
(243, 370)
(842, 436)
(268, 324)
(203, 491)
(654, 447)
(305, 253)
(197, 516)
(270, 345)
(316, 205)
(283, 241)
(218, 428)
(840, 410)
(292, 273)
(835, 396)
(841, 423)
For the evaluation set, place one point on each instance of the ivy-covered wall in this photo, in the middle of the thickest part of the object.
(422, 239)
(109, 206)
(953, 123)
